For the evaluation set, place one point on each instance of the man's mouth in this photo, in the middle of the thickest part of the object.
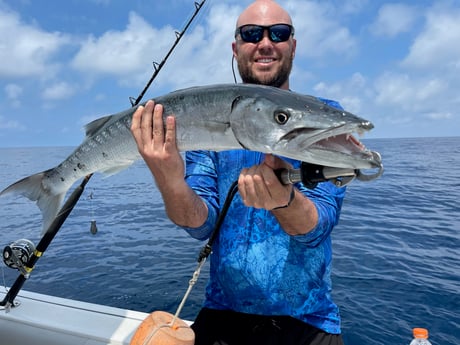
(265, 60)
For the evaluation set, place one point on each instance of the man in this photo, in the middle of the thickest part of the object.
(270, 266)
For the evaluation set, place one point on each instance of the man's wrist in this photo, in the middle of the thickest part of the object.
(291, 199)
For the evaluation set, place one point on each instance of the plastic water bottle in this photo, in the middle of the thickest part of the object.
(420, 337)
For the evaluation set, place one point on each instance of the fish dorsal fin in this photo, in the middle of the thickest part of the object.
(95, 125)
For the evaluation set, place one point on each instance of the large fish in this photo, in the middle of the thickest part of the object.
(215, 117)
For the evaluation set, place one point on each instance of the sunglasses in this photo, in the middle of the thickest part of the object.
(254, 33)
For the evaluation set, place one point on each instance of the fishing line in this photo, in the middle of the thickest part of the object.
(4, 279)
(233, 69)
(207, 249)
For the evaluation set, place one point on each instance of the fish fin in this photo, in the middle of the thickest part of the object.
(95, 125)
(32, 188)
(114, 170)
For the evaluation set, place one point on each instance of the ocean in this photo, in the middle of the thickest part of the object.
(396, 250)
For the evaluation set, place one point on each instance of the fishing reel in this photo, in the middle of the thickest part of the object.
(17, 254)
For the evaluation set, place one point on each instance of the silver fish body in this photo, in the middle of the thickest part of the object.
(214, 117)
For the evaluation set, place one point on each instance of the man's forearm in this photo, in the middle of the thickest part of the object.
(183, 206)
(300, 217)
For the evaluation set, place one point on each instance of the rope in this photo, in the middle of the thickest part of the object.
(155, 331)
(206, 250)
(191, 283)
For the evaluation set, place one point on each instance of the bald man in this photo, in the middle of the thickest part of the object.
(271, 262)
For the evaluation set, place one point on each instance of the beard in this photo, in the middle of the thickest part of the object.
(275, 79)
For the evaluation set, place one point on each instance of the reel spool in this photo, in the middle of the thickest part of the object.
(18, 253)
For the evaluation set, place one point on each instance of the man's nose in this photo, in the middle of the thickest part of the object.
(266, 38)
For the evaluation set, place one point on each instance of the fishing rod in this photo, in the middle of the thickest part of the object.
(22, 254)
(158, 66)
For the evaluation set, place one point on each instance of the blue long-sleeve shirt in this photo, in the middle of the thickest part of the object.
(256, 267)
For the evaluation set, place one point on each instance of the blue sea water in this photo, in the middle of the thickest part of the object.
(396, 249)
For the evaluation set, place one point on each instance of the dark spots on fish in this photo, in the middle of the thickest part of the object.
(80, 166)
(105, 155)
(62, 179)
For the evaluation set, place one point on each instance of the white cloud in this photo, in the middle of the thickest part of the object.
(351, 6)
(13, 92)
(440, 115)
(319, 31)
(437, 46)
(26, 50)
(409, 92)
(394, 19)
(10, 124)
(58, 91)
(124, 53)
(351, 93)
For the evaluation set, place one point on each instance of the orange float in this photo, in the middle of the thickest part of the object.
(156, 329)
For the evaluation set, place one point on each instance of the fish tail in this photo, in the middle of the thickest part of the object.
(33, 188)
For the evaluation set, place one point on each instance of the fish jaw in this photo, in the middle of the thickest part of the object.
(301, 127)
(334, 147)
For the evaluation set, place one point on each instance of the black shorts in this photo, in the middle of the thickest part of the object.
(224, 327)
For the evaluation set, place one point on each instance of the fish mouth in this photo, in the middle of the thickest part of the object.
(335, 147)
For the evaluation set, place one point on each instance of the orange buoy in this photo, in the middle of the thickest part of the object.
(156, 329)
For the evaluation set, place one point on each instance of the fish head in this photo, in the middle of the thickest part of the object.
(301, 127)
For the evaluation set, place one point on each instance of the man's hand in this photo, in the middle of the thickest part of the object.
(259, 186)
(157, 147)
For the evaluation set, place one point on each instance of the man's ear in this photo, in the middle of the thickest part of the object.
(294, 46)
(234, 49)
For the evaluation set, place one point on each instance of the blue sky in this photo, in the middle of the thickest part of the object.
(65, 63)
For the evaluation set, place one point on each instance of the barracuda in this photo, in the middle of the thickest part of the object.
(214, 117)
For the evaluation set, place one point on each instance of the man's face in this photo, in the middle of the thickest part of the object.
(265, 62)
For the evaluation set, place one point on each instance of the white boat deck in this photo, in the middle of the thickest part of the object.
(47, 320)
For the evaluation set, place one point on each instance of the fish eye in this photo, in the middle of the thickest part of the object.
(281, 118)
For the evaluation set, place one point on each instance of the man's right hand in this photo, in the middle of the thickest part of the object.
(158, 147)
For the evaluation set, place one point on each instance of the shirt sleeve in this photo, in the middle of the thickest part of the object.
(328, 200)
(201, 174)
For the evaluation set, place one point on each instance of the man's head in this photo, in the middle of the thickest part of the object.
(264, 52)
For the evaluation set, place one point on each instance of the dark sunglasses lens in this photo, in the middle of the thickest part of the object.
(255, 33)
(280, 32)
(251, 33)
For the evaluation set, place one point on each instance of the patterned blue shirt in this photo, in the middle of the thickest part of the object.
(256, 267)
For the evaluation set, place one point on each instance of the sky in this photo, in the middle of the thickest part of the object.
(66, 63)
